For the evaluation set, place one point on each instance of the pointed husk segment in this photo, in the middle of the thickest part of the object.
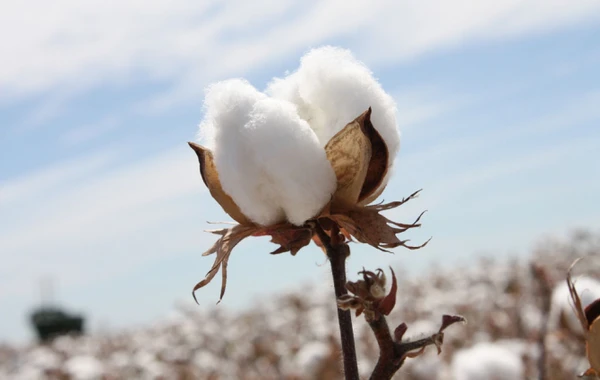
(289, 237)
(210, 176)
(590, 322)
(360, 159)
(367, 225)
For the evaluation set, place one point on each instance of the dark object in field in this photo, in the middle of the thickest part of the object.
(50, 322)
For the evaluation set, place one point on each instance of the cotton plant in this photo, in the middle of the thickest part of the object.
(303, 161)
(589, 317)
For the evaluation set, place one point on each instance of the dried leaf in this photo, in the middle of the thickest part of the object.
(230, 237)
(449, 320)
(577, 306)
(349, 153)
(387, 304)
(210, 176)
(367, 225)
(378, 165)
(590, 322)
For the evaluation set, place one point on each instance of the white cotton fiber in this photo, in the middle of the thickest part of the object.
(269, 160)
(487, 361)
(331, 88)
(588, 290)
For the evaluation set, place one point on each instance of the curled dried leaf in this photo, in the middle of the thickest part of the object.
(210, 176)
(290, 238)
(448, 320)
(590, 322)
(368, 225)
(230, 237)
(387, 304)
(577, 305)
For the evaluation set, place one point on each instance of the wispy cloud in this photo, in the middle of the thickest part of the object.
(100, 208)
(194, 42)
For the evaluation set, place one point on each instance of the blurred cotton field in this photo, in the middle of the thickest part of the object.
(294, 335)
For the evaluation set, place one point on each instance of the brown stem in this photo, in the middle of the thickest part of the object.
(338, 251)
(545, 288)
(392, 353)
(388, 363)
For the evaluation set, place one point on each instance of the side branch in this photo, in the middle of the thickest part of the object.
(393, 352)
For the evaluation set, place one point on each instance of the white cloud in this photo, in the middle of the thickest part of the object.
(73, 44)
(21, 189)
(101, 212)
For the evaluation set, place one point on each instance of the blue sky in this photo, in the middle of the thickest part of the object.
(499, 109)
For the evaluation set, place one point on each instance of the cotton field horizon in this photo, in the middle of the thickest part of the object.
(497, 108)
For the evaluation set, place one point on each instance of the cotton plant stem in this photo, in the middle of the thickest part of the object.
(388, 362)
(337, 251)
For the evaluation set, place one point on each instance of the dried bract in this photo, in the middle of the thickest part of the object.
(589, 317)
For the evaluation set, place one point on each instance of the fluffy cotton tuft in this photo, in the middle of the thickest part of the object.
(269, 160)
(588, 290)
(487, 361)
(331, 88)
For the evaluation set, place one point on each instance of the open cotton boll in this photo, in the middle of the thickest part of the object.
(487, 361)
(331, 88)
(228, 105)
(292, 168)
(268, 159)
(588, 290)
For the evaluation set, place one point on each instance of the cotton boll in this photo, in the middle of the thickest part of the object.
(331, 88)
(588, 290)
(295, 171)
(84, 368)
(228, 106)
(487, 361)
(268, 159)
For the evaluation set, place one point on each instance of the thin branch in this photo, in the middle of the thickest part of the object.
(545, 288)
(389, 362)
(338, 251)
(393, 352)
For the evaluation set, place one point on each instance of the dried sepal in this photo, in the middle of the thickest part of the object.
(577, 305)
(590, 322)
(368, 225)
(378, 164)
(210, 176)
(387, 304)
(349, 153)
(230, 237)
(289, 237)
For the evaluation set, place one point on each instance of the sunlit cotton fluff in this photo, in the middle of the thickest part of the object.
(269, 160)
(331, 88)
